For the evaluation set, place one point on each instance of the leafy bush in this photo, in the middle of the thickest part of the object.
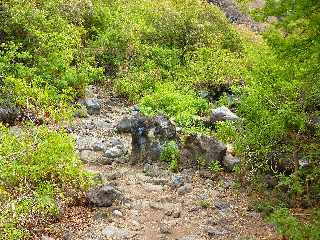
(171, 154)
(182, 106)
(279, 103)
(42, 64)
(290, 227)
(40, 173)
(141, 44)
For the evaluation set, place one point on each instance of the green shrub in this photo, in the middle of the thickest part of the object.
(279, 103)
(293, 229)
(145, 43)
(171, 154)
(40, 173)
(42, 64)
(182, 106)
(215, 166)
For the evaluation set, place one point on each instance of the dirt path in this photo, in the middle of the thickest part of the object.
(155, 205)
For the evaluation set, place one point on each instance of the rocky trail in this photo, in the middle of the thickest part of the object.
(145, 200)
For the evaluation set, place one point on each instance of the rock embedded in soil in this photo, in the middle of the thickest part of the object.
(216, 231)
(153, 170)
(166, 228)
(8, 115)
(124, 126)
(93, 105)
(230, 162)
(87, 142)
(187, 188)
(115, 233)
(200, 151)
(114, 152)
(222, 114)
(99, 146)
(177, 180)
(117, 213)
(89, 156)
(222, 205)
(104, 196)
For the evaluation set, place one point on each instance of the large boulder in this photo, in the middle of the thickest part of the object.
(149, 134)
(104, 196)
(201, 150)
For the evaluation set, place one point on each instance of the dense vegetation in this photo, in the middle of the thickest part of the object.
(43, 68)
(164, 55)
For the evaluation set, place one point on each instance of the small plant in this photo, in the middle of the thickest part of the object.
(173, 166)
(204, 204)
(201, 161)
(215, 166)
(171, 155)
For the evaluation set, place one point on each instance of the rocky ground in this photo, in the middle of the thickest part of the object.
(146, 201)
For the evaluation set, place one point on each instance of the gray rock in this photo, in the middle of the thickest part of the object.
(216, 231)
(8, 115)
(115, 233)
(200, 150)
(16, 131)
(149, 134)
(222, 114)
(116, 142)
(187, 188)
(152, 188)
(124, 126)
(177, 180)
(235, 15)
(99, 145)
(117, 213)
(90, 125)
(104, 196)
(135, 110)
(92, 104)
(229, 162)
(103, 124)
(86, 142)
(89, 156)
(159, 181)
(152, 170)
(114, 152)
(222, 206)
